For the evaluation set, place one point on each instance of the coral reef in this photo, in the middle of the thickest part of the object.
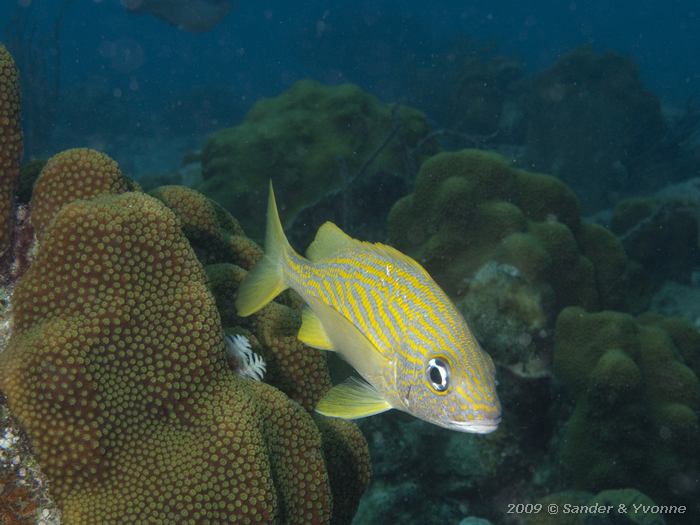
(679, 300)
(479, 94)
(300, 373)
(16, 505)
(310, 141)
(629, 499)
(661, 234)
(349, 472)
(637, 395)
(219, 242)
(73, 174)
(477, 224)
(605, 509)
(10, 150)
(213, 233)
(416, 462)
(572, 497)
(511, 248)
(23, 497)
(590, 121)
(508, 312)
(115, 369)
(469, 89)
(112, 357)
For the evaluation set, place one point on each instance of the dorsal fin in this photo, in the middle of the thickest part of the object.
(329, 240)
(266, 280)
(390, 252)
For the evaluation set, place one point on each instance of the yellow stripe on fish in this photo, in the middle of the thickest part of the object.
(384, 314)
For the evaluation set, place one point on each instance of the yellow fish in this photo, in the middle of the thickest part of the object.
(388, 319)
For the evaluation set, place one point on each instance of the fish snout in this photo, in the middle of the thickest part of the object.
(483, 426)
(483, 420)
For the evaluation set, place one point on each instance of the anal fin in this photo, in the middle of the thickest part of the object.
(351, 400)
(312, 332)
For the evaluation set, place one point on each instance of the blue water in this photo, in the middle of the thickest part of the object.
(264, 46)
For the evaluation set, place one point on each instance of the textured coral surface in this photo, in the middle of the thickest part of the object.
(591, 122)
(636, 390)
(214, 234)
(220, 243)
(73, 174)
(312, 140)
(471, 207)
(10, 145)
(116, 371)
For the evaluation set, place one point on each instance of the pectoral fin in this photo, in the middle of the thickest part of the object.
(351, 400)
(312, 332)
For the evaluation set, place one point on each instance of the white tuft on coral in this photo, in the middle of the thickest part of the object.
(250, 364)
(5, 315)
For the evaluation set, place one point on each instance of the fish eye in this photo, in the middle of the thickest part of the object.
(438, 374)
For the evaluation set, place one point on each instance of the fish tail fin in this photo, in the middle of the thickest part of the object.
(266, 280)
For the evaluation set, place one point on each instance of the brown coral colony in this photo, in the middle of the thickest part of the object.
(10, 153)
(116, 371)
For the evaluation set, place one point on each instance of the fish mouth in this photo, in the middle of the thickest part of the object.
(482, 426)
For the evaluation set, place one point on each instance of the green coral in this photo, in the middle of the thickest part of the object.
(558, 500)
(661, 234)
(609, 507)
(617, 499)
(685, 336)
(473, 212)
(310, 141)
(635, 418)
(589, 120)
(471, 206)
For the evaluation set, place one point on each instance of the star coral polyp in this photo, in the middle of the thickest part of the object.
(10, 152)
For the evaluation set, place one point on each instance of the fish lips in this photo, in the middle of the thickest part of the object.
(481, 426)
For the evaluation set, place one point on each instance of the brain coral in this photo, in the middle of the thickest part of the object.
(10, 145)
(73, 174)
(115, 369)
(312, 140)
(635, 421)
